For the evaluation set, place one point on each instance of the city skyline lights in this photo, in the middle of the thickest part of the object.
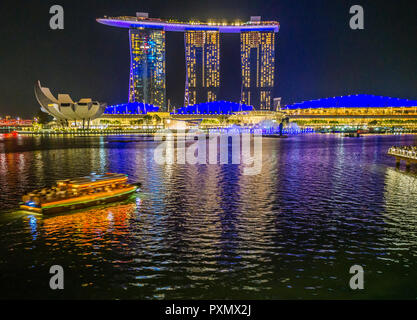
(202, 59)
(147, 67)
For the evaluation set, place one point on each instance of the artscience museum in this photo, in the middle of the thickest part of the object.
(65, 111)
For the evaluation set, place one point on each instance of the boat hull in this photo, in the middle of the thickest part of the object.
(76, 204)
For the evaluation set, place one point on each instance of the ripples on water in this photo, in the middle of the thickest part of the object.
(320, 205)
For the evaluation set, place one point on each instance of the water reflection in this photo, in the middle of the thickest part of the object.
(401, 207)
(319, 205)
(33, 223)
(97, 221)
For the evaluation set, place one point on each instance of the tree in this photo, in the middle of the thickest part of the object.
(157, 118)
(222, 119)
(136, 122)
(43, 117)
(147, 118)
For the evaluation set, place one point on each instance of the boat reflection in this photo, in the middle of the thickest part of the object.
(87, 223)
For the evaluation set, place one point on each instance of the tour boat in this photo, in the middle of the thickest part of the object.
(78, 193)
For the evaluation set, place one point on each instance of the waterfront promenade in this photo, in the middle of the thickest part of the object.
(407, 153)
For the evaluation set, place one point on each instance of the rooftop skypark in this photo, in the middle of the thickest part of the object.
(143, 20)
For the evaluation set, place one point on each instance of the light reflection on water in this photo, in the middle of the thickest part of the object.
(320, 205)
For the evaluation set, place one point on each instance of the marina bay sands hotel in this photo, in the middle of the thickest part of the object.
(202, 58)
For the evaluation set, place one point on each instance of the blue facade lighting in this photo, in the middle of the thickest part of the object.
(354, 101)
(215, 107)
(131, 108)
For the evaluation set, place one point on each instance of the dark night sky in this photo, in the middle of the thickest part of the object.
(317, 56)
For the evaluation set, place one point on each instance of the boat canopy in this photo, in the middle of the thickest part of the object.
(94, 180)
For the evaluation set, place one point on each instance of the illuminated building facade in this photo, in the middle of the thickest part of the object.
(258, 66)
(214, 107)
(147, 67)
(64, 110)
(356, 111)
(131, 108)
(202, 59)
(358, 104)
(202, 53)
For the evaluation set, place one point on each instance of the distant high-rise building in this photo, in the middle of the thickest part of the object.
(258, 67)
(147, 67)
(277, 104)
(202, 59)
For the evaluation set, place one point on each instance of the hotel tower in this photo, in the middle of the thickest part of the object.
(202, 59)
